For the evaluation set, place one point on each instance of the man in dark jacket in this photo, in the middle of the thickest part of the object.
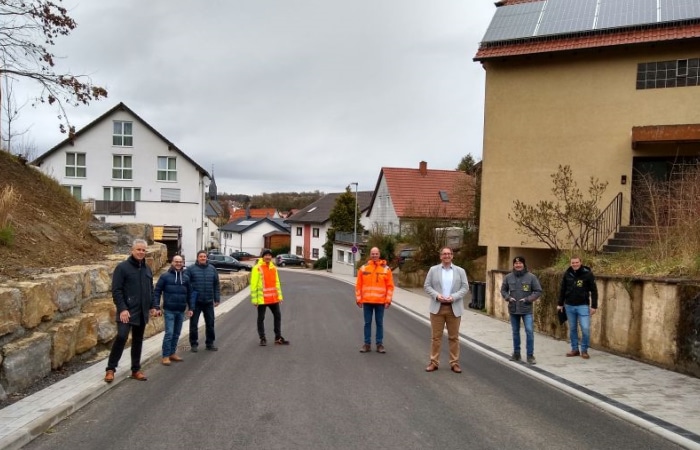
(132, 293)
(578, 295)
(178, 295)
(520, 289)
(205, 282)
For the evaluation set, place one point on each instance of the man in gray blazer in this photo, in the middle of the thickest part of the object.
(446, 284)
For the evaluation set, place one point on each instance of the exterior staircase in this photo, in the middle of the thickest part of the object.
(632, 237)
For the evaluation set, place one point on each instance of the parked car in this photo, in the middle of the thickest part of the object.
(287, 259)
(243, 256)
(227, 263)
(405, 255)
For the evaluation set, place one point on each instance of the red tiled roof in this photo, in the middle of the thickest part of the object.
(607, 38)
(255, 213)
(416, 195)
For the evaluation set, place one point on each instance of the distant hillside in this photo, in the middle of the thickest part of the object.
(51, 227)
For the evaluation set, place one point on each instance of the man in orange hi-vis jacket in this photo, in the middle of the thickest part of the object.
(373, 292)
(266, 292)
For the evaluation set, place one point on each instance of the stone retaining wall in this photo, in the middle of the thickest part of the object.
(67, 313)
(652, 320)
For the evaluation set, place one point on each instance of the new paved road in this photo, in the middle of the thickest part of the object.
(320, 392)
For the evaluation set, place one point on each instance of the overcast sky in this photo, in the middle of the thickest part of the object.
(285, 95)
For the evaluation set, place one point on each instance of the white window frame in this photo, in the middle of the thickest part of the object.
(122, 133)
(124, 194)
(316, 232)
(165, 172)
(122, 167)
(340, 256)
(75, 191)
(73, 164)
(314, 253)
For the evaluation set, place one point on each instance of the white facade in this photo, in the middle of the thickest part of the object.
(383, 216)
(95, 169)
(313, 233)
(343, 259)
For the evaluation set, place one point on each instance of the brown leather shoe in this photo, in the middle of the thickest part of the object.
(165, 361)
(366, 348)
(431, 368)
(573, 353)
(109, 376)
(139, 376)
(585, 355)
(381, 349)
(455, 368)
(175, 358)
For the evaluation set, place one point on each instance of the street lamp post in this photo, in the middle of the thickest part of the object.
(354, 236)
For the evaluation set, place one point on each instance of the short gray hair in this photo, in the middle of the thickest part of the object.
(139, 241)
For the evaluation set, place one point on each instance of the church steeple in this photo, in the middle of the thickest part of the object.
(212, 186)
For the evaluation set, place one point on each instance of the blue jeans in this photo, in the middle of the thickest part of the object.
(173, 326)
(529, 333)
(378, 310)
(579, 315)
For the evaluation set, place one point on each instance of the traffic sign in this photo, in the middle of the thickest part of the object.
(354, 249)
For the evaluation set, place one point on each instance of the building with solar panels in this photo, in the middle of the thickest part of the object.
(610, 88)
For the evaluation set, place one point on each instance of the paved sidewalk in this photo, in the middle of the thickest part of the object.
(661, 401)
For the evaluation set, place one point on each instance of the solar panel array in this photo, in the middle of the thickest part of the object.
(552, 17)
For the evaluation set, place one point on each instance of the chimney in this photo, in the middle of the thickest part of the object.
(423, 168)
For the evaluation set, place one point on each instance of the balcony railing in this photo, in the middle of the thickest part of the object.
(115, 208)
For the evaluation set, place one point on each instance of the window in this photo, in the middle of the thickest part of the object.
(167, 168)
(121, 167)
(298, 231)
(340, 256)
(122, 194)
(314, 253)
(75, 165)
(667, 74)
(444, 197)
(75, 191)
(123, 134)
(315, 232)
(298, 250)
(170, 195)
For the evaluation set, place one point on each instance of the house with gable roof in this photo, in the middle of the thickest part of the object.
(309, 225)
(130, 173)
(251, 235)
(609, 88)
(403, 195)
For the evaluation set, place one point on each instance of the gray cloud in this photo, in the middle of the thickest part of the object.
(287, 96)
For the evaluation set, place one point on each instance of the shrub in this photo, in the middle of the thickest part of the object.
(323, 263)
(7, 235)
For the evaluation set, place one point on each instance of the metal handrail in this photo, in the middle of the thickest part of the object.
(608, 222)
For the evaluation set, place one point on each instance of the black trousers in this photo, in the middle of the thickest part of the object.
(276, 313)
(123, 329)
(207, 310)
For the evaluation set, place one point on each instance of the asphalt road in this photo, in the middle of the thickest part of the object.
(321, 393)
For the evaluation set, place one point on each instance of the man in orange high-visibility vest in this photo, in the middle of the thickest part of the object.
(373, 292)
(266, 292)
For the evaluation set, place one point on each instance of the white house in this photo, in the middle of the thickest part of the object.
(310, 224)
(250, 234)
(130, 173)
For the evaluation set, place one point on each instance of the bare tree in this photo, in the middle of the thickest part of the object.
(566, 222)
(28, 29)
(10, 113)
